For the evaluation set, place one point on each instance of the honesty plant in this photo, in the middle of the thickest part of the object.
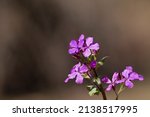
(85, 52)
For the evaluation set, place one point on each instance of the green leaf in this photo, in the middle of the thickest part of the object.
(97, 81)
(102, 61)
(94, 91)
(90, 87)
(104, 58)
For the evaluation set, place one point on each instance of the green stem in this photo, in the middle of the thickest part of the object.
(119, 92)
(117, 96)
(122, 88)
(100, 87)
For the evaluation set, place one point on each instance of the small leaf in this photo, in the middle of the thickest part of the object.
(102, 61)
(97, 81)
(104, 58)
(90, 87)
(94, 91)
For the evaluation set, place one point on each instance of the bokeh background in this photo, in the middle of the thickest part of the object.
(34, 38)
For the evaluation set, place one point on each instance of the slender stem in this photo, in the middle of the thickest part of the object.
(119, 92)
(122, 88)
(100, 87)
(117, 95)
(103, 92)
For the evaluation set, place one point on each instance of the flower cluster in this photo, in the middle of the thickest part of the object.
(85, 51)
(82, 49)
(84, 46)
(126, 77)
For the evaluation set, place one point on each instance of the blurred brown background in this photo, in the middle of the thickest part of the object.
(34, 38)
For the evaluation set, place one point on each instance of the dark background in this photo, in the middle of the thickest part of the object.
(34, 39)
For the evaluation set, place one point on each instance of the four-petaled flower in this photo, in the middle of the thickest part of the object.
(76, 46)
(77, 71)
(111, 84)
(90, 47)
(129, 75)
(85, 46)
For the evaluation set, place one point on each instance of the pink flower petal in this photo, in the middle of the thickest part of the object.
(115, 77)
(77, 66)
(72, 75)
(81, 37)
(73, 51)
(134, 76)
(129, 68)
(79, 79)
(87, 53)
(129, 84)
(80, 43)
(120, 81)
(109, 88)
(73, 43)
(89, 41)
(126, 73)
(94, 47)
(83, 69)
(67, 79)
(141, 78)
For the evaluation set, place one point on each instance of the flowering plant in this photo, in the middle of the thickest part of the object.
(85, 52)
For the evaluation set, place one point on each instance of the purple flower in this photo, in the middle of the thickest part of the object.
(93, 64)
(90, 47)
(110, 83)
(129, 75)
(77, 71)
(76, 46)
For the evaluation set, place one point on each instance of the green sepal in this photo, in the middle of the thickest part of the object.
(86, 76)
(94, 91)
(97, 81)
(94, 57)
(91, 58)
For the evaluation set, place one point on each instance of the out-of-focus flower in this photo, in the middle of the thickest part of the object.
(76, 46)
(110, 83)
(76, 73)
(129, 75)
(90, 47)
